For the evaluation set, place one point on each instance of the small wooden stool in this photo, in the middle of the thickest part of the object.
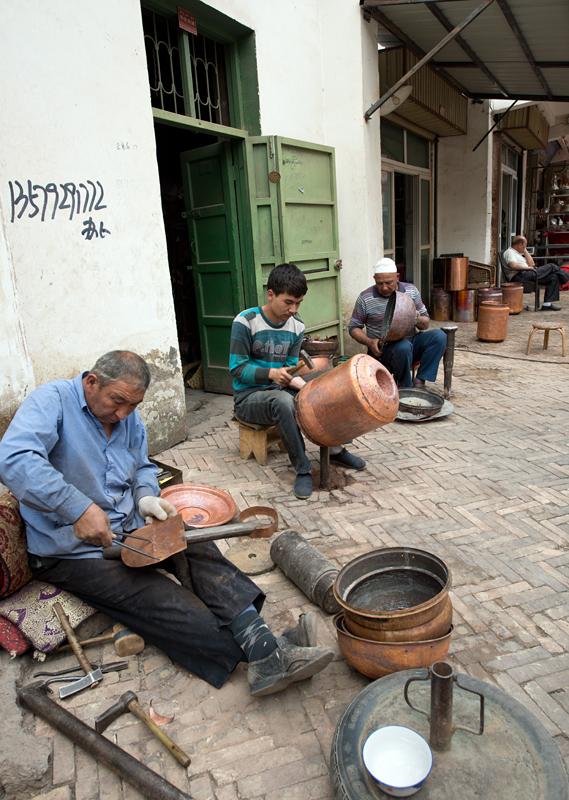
(255, 440)
(538, 326)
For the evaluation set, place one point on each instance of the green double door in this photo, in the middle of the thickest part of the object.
(251, 205)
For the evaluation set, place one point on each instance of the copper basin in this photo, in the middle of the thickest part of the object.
(404, 315)
(432, 629)
(393, 588)
(376, 659)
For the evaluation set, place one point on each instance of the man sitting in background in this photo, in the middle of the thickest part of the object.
(521, 267)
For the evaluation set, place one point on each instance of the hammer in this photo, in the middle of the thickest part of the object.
(129, 702)
(126, 642)
(305, 360)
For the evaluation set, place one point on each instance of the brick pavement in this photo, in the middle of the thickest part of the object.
(484, 488)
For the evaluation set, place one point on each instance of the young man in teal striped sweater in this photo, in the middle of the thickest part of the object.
(265, 341)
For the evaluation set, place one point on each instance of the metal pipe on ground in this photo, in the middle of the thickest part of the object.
(33, 698)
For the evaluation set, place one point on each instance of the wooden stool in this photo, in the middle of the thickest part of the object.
(538, 326)
(255, 440)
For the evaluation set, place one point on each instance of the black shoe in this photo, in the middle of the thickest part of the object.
(287, 664)
(551, 308)
(304, 634)
(303, 486)
(346, 459)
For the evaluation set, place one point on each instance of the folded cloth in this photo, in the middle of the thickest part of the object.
(14, 568)
(31, 610)
(11, 639)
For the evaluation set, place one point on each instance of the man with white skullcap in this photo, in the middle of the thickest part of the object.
(426, 347)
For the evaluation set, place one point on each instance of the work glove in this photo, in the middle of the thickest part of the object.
(152, 508)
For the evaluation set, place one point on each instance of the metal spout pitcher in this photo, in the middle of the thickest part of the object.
(442, 677)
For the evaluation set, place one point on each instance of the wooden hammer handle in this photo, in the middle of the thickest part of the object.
(292, 370)
(73, 640)
(178, 754)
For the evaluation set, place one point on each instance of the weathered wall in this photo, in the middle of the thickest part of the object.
(81, 202)
(317, 65)
(465, 189)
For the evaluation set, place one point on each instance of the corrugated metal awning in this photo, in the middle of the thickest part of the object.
(514, 49)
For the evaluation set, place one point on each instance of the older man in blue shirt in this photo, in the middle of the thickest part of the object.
(75, 456)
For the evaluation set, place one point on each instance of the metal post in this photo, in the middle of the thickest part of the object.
(442, 676)
(448, 358)
(324, 467)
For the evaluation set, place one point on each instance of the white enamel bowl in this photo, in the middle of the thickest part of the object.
(398, 759)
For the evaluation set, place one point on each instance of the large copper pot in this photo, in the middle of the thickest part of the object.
(357, 396)
(392, 589)
(404, 315)
(492, 322)
(513, 296)
(442, 304)
(455, 274)
(376, 659)
(490, 294)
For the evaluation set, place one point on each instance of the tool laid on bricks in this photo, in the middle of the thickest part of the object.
(127, 643)
(129, 702)
(63, 675)
(167, 538)
(34, 698)
(92, 676)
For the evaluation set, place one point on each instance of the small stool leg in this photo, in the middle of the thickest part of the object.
(260, 448)
(533, 330)
(545, 340)
(324, 467)
(563, 343)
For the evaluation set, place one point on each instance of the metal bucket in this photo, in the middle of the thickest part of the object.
(489, 295)
(513, 296)
(492, 322)
(464, 306)
(455, 274)
(343, 403)
(442, 305)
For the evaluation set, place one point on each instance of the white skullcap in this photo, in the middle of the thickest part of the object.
(385, 265)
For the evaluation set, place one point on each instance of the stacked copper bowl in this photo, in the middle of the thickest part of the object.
(397, 613)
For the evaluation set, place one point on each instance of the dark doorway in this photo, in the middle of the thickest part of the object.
(403, 223)
(170, 142)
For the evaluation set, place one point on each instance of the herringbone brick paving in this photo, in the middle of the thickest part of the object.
(485, 489)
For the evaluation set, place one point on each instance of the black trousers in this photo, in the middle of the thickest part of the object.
(550, 275)
(190, 627)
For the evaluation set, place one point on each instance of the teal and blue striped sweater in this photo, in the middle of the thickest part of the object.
(258, 346)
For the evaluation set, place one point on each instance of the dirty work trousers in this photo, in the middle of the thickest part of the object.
(190, 627)
(550, 275)
(427, 347)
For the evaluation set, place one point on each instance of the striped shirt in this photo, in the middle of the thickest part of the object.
(370, 306)
(257, 346)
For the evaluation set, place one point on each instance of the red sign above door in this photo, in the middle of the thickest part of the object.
(187, 21)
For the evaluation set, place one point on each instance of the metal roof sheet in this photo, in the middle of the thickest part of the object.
(492, 40)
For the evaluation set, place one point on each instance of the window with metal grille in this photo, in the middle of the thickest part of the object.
(186, 73)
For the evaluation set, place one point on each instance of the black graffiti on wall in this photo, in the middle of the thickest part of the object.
(44, 201)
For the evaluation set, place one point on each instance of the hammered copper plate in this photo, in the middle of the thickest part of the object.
(201, 506)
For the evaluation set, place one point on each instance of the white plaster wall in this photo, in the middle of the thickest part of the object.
(465, 189)
(318, 73)
(75, 90)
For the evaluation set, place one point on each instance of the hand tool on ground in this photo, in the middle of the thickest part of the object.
(153, 786)
(169, 537)
(127, 643)
(115, 666)
(129, 702)
(91, 676)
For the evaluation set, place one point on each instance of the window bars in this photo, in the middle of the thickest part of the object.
(186, 72)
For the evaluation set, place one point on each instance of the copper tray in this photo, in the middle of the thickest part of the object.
(201, 506)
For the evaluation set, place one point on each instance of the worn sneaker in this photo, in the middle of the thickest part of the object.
(287, 664)
(303, 486)
(345, 459)
(304, 634)
(551, 308)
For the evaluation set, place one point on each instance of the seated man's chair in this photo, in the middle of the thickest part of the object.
(507, 276)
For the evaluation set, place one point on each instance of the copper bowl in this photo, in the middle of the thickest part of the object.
(394, 588)
(376, 659)
(432, 629)
(201, 506)
(404, 315)
(315, 347)
(420, 402)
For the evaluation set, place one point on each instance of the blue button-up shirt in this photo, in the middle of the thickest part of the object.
(56, 459)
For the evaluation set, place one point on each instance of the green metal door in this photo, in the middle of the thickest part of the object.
(292, 194)
(211, 210)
